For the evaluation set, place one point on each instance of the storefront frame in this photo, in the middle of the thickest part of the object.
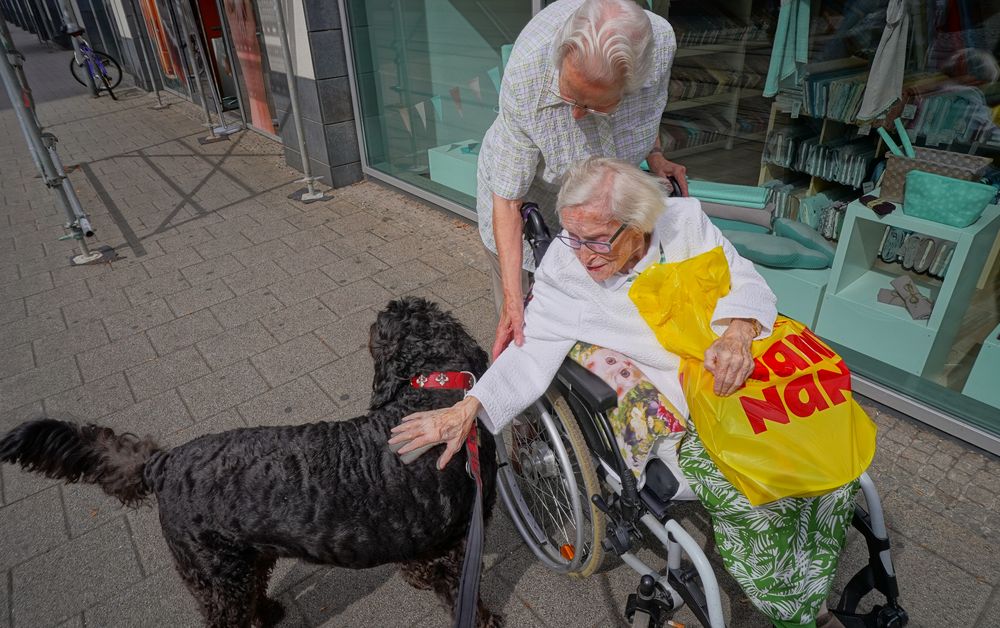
(921, 411)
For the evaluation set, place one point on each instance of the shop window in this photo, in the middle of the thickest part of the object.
(428, 76)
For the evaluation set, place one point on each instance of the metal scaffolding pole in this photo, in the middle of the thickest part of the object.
(43, 147)
(194, 74)
(73, 29)
(227, 40)
(140, 44)
(310, 194)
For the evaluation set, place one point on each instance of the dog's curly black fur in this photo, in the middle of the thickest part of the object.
(330, 493)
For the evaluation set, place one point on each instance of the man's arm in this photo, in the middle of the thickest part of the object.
(507, 232)
(662, 167)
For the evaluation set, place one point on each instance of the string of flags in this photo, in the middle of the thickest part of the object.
(470, 92)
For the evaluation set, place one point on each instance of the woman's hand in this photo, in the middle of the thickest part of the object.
(447, 425)
(729, 358)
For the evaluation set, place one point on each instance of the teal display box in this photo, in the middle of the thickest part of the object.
(851, 314)
(984, 379)
(454, 165)
(799, 291)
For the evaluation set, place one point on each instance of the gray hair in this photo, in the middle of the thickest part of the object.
(611, 40)
(629, 194)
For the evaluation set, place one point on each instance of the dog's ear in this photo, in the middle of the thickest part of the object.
(386, 335)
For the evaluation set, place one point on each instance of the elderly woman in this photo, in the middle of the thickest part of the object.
(617, 222)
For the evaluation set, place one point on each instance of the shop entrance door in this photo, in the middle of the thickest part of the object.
(253, 68)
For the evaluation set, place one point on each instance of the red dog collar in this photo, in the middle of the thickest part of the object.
(457, 380)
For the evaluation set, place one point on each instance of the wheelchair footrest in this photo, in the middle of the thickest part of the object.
(878, 617)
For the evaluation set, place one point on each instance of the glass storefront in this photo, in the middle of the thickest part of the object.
(787, 96)
(428, 75)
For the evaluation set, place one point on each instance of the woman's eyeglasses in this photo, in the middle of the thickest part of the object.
(576, 105)
(597, 246)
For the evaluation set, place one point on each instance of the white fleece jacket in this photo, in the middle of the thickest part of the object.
(568, 306)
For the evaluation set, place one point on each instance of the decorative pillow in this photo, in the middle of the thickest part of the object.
(736, 225)
(806, 236)
(643, 415)
(775, 251)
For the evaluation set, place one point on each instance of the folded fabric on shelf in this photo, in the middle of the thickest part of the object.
(728, 193)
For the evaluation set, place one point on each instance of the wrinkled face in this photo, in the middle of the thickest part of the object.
(587, 222)
(586, 94)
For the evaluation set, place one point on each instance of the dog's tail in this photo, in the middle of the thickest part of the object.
(82, 453)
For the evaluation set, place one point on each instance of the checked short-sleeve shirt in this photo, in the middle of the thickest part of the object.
(535, 139)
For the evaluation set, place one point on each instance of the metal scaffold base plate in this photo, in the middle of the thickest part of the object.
(212, 139)
(101, 255)
(227, 130)
(159, 107)
(307, 197)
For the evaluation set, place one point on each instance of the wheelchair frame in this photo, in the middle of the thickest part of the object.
(660, 592)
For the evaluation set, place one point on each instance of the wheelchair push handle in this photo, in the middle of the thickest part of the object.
(536, 232)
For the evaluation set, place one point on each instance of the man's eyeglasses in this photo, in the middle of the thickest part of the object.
(597, 246)
(576, 105)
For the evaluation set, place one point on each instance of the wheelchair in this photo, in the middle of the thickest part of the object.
(573, 500)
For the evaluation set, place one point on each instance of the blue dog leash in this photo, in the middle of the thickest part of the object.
(467, 600)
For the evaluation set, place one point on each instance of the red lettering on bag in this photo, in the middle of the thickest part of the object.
(835, 382)
(816, 343)
(769, 408)
(813, 402)
(783, 360)
(805, 347)
(760, 372)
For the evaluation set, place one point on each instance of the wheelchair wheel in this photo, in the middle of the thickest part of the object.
(546, 478)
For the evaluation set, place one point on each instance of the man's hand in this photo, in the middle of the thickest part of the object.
(729, 358)
(511, 326)
(661, 167)
(426, 429)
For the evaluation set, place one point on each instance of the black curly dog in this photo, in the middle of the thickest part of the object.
(330, 493)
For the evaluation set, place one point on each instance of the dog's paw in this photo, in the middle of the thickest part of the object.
(270, 613)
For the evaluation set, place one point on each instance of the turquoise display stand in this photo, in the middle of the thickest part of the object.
(799, 291)
(452, 167)
(984, 380)
(852, 316)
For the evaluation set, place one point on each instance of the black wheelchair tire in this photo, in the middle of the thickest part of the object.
(576, 448)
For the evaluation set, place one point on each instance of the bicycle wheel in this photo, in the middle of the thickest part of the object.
(546, 477)
(112, 71)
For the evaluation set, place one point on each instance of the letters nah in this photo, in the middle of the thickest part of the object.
(802, 395)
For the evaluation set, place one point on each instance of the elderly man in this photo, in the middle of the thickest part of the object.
(585, 78)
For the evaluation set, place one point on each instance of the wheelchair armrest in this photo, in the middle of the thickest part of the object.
(591, 388)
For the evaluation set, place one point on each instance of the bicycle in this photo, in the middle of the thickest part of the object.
(103, 68)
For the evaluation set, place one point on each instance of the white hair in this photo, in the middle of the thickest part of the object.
(630, 195)
(610, 40)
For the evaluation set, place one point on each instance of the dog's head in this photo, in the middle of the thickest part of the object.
(413, 336)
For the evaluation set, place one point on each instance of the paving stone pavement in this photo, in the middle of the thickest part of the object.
(233, 306)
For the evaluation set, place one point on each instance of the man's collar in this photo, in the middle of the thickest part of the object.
(549, 97)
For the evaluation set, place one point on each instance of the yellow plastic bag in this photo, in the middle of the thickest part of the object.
(794, 429)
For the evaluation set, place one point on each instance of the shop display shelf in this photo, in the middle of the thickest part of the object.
(799, 290)
(984, 379)
(851, 314)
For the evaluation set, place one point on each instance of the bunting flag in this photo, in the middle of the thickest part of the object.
(456, 95)
(422, 112)
(476, 89)
(405, 115)
(494, 74)
(438, 109)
